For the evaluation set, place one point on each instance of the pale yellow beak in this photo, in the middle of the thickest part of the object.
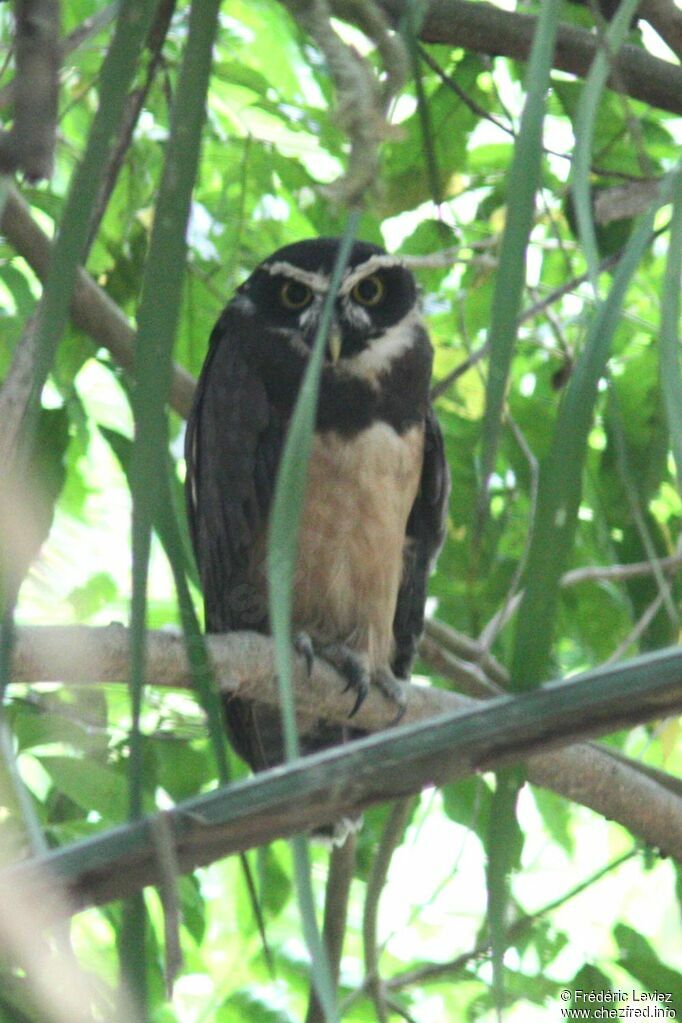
(334, 342)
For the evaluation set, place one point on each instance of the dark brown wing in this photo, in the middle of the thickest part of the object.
(232, 448)
(425, 535)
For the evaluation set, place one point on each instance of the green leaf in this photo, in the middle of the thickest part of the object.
(33, 727)
(407, 182)
(524, 177)
(430, 236)
(671, 378)
(92, 786)
(274, 882)
(192, 906)
(95, 594)
(181, 769)
(556, 816)
(640, 960)
(43, 477)
(587, 115)
(469, 802)
(251, 1006)
(590, 981)
(560, 484)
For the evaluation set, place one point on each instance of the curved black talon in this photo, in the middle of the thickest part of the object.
(357, 679)
(393, 689)
(303, 645)
(352, 667)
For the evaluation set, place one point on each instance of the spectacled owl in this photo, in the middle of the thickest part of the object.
(375, 504)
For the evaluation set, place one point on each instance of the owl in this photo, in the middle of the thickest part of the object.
(375, 503)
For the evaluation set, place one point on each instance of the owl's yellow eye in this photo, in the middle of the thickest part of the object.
(295, 295)
(369, 291)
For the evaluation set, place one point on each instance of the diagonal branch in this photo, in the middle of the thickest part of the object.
(485, 28)
(584, 773)
(91, 308)
(343, 780)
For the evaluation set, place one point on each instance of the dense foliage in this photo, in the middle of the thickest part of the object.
(590, 907)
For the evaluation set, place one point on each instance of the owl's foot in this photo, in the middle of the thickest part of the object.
(352, 666)
(392, 688)
(348, 663)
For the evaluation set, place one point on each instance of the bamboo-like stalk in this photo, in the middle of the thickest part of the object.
(157, 323)
(524, 177)
(343, 780)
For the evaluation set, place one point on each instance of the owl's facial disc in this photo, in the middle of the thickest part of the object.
(377, 294)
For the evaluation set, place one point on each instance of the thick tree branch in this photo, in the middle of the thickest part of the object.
(86, 30)
(91, 308)
(666, 18)
(401, 761)
(29, 145)
(14, 394)
(485, 28)
(584, 773)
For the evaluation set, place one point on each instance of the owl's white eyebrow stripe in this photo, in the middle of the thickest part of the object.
(378, 262)
(316, 282)
(319, 282)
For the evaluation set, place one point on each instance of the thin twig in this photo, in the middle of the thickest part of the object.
(467, 649)
(156, 37)
(436, 971)
(169, 871)
(620, 573)
(487, 637)
(595, 573)
(475, 107)
(638, 630)
(339, 879)
(390, 839)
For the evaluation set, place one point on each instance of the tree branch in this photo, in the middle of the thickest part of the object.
(666, 18)
(589, 573)
(339, 880)
(91, 308)
(86, 30)
(460, 736)
(29, 145)
(391, 837)
(487, 29)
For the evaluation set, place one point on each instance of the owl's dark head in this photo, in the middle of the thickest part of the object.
(375, 310)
